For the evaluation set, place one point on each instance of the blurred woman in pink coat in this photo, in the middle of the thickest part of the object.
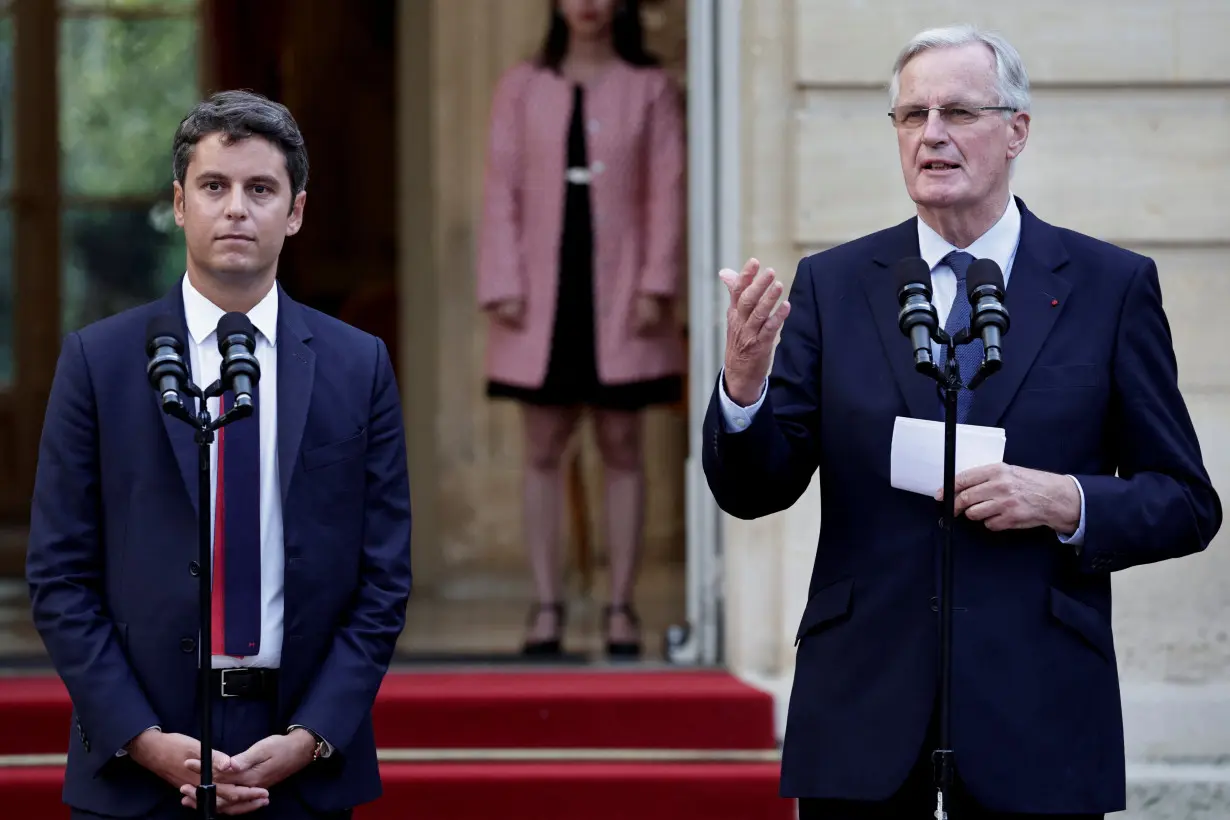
(579, 266)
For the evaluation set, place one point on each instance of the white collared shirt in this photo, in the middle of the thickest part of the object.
(998, 244)
(202, 317)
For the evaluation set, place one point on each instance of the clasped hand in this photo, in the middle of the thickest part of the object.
(243, 780)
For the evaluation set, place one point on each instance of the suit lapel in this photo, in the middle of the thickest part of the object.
(1035, 298)
(180, 434)
(918, 390)
(296, 372)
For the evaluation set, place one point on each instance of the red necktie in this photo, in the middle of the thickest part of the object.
(236, 599)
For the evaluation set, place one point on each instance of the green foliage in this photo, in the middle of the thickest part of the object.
(124, 87)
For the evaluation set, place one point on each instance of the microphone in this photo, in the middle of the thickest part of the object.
(240, 369)
(917, 319)
(166, 370)
(988, 317)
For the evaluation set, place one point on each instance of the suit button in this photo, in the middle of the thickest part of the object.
(187, 644)
(194, 569)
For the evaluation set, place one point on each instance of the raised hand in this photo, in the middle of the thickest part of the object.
(752, 322)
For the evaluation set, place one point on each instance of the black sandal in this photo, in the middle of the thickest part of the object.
(622, 649)
(552, 646)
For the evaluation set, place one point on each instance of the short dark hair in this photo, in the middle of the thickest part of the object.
(627, 36)
(237, 115)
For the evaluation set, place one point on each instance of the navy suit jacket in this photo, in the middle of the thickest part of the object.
(114, 531)
(1088, 388)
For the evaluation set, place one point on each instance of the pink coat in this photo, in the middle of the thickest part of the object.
(636, 153)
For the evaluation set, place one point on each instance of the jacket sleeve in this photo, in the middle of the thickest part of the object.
(1161, 504)
(500, 265)
(345, 687)
(665, 193)
(64, 566)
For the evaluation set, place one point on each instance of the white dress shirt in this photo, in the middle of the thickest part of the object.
(202, 316)
(999, 243)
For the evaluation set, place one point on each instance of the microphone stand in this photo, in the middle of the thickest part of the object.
(949, 382)
(204, 427)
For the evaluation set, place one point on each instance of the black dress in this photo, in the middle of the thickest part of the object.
(572, 374)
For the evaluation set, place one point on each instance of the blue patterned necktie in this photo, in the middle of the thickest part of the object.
(969, 356)
(237, 539)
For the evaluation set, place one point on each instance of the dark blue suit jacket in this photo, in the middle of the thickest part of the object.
(1088, 388)
(113, 532)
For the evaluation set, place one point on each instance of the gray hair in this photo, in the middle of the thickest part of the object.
(237, 115)
(1012, 81)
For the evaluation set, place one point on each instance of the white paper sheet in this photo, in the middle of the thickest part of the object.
(918, 452)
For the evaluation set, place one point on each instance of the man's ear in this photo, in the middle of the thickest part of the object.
(1019, 134)
(177, 202)
(296, 214)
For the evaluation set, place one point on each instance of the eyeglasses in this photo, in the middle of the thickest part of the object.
(952, 114)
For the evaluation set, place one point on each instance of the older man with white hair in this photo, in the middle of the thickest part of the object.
(1101, 471)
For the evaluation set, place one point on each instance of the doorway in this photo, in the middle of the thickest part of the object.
(472, 589)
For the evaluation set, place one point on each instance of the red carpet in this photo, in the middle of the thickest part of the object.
(509, 710)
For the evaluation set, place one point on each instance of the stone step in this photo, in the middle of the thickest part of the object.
(1177, 791)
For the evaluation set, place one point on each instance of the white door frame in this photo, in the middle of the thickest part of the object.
(714, 230)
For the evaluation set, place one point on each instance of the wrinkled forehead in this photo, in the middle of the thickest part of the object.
(944, 75)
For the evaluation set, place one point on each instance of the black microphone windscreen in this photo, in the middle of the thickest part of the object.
(163, 325)
(236, 323)
(911, 271)
(984, 272)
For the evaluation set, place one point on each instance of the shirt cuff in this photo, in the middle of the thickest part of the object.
(326, 749)
(736, 418)
(1077, 538)
(124, 752)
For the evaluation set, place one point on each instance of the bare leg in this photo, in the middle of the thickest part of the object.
(547, 430)
(619, 441)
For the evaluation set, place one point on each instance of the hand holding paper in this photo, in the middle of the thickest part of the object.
(917, 462)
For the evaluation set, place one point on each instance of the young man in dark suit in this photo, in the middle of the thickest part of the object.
(310, 508)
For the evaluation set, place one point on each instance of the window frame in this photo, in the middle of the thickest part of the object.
(38, 206)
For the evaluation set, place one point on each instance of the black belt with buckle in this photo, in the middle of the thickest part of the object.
(245, 682)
